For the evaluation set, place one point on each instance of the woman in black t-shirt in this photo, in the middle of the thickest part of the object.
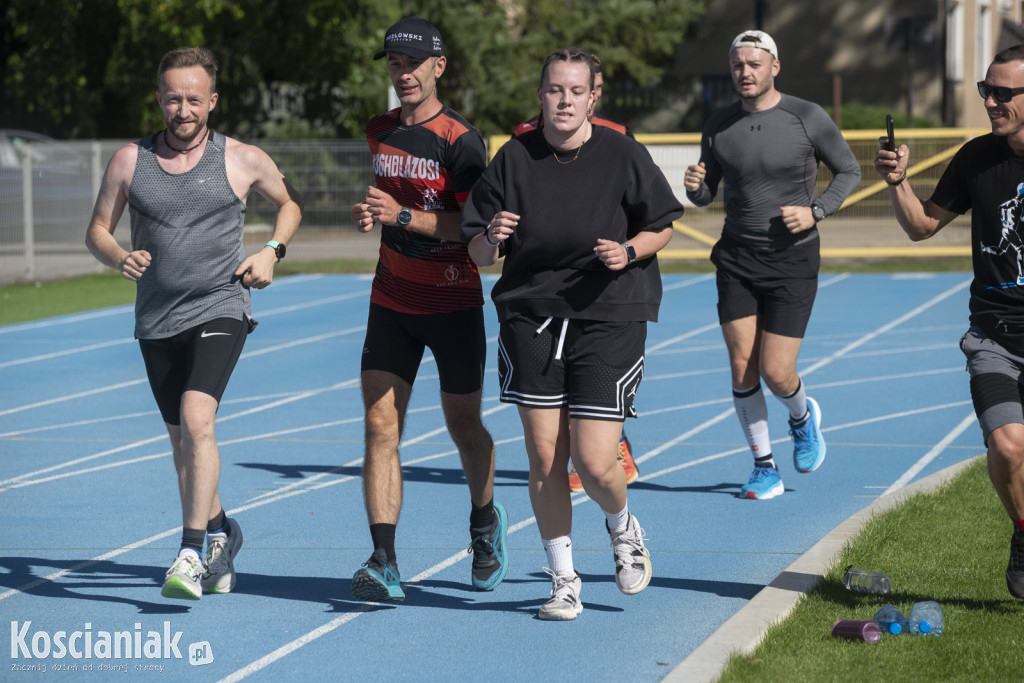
(579, 213)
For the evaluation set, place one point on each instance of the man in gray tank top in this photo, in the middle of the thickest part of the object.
(186, 189)
(766, 149)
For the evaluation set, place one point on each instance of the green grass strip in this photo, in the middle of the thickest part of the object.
(950, 545)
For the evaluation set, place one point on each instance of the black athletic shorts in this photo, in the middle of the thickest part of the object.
(201, 358)
(778, 286)
(592, 367)
(395, 341)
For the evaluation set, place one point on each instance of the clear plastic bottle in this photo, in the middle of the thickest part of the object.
(926, 618)
(850, 629)
(866, 582)
(891, 620)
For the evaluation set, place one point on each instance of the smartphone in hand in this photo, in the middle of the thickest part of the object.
(891, 144)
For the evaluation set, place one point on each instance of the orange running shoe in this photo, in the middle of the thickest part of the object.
(625, 457)
(575, 485)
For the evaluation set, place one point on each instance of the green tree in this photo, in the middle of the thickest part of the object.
(87, 68)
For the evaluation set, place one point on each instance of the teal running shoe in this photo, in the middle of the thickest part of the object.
(808, 445)
(764, 483)
(378, 580)
(490, 554)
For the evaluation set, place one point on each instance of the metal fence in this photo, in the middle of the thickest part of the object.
(47, 193)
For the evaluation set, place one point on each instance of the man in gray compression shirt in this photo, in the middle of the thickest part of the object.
(766, 149)
(185, 188)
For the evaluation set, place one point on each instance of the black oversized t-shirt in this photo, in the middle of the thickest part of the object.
(987, 178)
(612, 190)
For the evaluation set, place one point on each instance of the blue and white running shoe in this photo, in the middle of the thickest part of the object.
(808, 445)
(764, 483)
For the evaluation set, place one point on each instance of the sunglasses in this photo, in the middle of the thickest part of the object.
(1000, 92)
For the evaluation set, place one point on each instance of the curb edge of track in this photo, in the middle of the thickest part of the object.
(742, 632)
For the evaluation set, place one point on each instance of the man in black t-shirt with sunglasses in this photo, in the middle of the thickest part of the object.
(986, 177)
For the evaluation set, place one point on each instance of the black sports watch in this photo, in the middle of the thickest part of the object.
(817, 212)
(404, 218)
(630, 253)
(278, 248)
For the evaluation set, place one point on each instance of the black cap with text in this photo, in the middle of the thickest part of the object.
(414, 37)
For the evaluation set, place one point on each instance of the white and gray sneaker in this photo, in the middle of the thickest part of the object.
(220, 559)
(632, 560)
(564, 604)
(182, 579)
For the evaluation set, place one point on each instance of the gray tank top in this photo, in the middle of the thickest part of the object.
(191, 224)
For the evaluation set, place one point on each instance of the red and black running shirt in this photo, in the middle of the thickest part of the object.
(431, 166)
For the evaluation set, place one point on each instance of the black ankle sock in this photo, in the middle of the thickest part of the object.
(765, 461)
(383, 536)
(193, 538)
(218, 523)
(482, 516)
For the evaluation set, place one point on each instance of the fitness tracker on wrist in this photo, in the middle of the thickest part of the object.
(278, 248)
(630, 253)
(404, 217)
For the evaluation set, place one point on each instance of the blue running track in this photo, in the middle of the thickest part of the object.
(90, 512)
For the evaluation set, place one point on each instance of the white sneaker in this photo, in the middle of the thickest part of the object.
(632, 561)
(220, 560)
(182, 579)
(564, 604)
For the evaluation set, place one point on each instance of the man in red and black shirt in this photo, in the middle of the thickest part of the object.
(426, 294)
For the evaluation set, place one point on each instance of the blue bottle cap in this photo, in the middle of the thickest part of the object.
(895, 629)
(925, 627)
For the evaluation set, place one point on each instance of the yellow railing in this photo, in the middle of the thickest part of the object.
(864, 227)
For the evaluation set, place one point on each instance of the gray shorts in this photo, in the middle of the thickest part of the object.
(995, 381)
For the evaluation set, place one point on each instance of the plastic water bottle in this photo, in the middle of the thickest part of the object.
(891, 620)
(866, 582)
(866, 631)
(926, 618)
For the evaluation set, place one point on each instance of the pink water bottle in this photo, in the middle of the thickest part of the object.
(850, 629)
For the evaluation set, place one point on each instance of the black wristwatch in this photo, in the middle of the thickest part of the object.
(817, 212)
(278, 248)
(630, 253)
(404, 218)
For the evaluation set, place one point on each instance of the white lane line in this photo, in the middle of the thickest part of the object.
(687, 335)
(785, 439)
(72, 397)
(932, 454)
(66, 352)
(689, 282)
(278, 496)
(359, 610)
(131, 340)
(245, 356)
(885, 328)
(825, 361)
(66, 320)
(221, 420)
(839, 277)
